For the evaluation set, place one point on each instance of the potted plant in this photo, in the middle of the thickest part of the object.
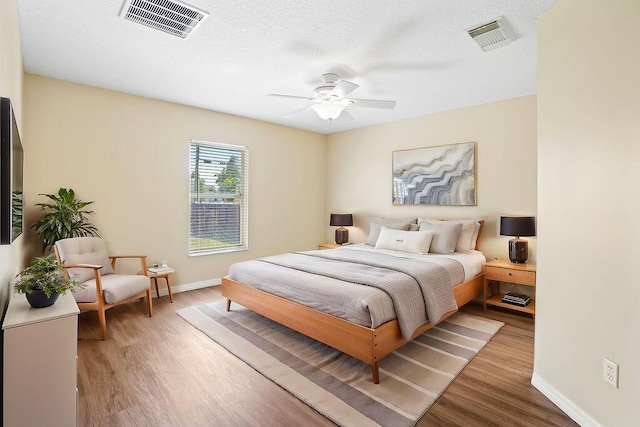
(64, 218)
(42, 282)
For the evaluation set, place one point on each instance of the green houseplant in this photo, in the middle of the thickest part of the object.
(65, 217)
(42, 282)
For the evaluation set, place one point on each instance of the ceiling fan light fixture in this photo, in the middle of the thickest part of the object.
(330, 100)
(328, 111)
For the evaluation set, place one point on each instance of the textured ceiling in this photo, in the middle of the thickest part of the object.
(416, 52)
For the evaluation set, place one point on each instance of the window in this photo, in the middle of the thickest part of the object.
(218, 198)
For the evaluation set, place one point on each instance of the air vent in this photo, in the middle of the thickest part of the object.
(172, 17)
(493, 34)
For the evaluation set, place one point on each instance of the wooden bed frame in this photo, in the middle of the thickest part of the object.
(369, 345)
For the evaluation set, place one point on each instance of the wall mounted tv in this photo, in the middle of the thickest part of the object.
(11, 159)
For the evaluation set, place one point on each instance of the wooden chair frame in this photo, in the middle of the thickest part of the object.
(100, 305)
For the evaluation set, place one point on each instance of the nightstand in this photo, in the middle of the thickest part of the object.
(329, 245)
(501, 270)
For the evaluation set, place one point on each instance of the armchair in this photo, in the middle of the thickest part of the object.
(86, 260)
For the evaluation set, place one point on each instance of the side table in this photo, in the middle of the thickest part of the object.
(504, 271)
(164, 275)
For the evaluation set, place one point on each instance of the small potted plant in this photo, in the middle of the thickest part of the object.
(42, 282)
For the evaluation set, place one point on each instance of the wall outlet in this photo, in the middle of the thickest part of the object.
(610, 372)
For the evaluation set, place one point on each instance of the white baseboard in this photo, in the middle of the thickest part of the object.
(566, 405)
(185, 287)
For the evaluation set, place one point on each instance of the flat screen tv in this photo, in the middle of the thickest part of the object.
(11, 159)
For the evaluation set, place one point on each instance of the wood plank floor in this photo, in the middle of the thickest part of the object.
(161, 371)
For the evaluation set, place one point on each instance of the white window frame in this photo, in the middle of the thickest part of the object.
(204, 239)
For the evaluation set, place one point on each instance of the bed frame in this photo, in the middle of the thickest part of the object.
(369, 345)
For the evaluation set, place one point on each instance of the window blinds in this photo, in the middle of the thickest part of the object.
(218, 198)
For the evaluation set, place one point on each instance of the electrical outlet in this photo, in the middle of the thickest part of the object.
(610, 372)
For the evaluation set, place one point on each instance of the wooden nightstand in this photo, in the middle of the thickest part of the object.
(501, 270)
(329, 245)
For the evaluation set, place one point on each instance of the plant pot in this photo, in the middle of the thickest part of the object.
(38, 299)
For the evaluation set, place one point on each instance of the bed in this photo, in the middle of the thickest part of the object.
(259, 286)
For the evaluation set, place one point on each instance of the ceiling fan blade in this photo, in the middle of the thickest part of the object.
(373, 103)
(296, 112)
(345, 116)
(291, 96)
(344, 88)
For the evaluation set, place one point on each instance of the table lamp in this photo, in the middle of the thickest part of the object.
(518, 226)
(341, 220)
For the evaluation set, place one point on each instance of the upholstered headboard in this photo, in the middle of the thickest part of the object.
(481, 222)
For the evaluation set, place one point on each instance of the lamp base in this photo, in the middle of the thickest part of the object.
(518, 251)
(342, 235)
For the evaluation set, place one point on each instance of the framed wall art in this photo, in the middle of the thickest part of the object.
(444, 175)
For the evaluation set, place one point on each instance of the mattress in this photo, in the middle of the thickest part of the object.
(364, 305)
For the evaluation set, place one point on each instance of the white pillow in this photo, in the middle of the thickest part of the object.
(445, 236)
(416, 242)
(468, 235)
(395, 223)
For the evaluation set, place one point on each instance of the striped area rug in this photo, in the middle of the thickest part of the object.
(339, 386)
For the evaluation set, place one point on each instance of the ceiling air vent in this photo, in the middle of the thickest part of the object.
(493, 35)
(172, 17)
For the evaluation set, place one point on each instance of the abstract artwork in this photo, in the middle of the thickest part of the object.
(444, 175)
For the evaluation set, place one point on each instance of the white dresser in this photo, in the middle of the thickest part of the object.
(40, 356)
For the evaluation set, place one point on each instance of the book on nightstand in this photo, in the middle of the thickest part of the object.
(516, 299)
(159, 270)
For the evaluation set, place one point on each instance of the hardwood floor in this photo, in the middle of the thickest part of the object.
(161, 371)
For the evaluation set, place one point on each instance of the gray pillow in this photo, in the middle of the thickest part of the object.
(393, 223)
(445, 237)
(468, 236)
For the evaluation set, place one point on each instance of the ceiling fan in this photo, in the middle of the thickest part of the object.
(330, 101)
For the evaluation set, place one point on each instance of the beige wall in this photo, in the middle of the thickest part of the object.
(359, 167)
(589, 205)
(11, 256)
(131, 156)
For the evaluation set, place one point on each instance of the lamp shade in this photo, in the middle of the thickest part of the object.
(517, 226)
(341, 220)
(328, 111)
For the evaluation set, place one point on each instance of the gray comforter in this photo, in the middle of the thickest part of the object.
(420, 290)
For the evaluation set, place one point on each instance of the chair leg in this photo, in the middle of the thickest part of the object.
(103, 323)
(149, 302)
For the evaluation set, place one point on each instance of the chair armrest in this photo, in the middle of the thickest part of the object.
(127, 256)
(95, 267)
(143, 261)
(96, 273)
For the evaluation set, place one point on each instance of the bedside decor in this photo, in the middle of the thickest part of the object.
(444, 175)
(518, 226)
(341, 220)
